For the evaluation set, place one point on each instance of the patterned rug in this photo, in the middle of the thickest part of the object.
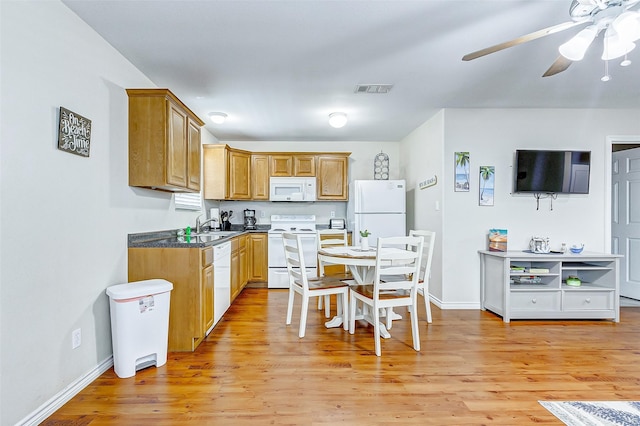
(595, 413)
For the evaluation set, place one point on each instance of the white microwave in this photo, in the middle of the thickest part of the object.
(292, 189)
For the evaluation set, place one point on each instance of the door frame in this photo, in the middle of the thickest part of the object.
(610, 141)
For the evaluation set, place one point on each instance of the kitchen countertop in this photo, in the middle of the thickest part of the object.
(170, 238)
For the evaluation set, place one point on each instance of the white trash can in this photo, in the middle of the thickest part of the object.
(139, 324)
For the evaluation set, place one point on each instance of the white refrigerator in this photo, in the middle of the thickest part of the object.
(378, 206)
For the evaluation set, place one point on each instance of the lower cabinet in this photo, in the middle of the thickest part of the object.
(257, 251)
(519, 285)
(191, 303)
(238, 265)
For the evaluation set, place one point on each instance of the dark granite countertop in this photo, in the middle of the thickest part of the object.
(171, 239)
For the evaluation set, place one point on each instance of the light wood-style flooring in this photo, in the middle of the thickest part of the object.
(473, 369)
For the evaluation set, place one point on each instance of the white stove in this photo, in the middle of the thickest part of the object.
(305, 225)
(294, 223)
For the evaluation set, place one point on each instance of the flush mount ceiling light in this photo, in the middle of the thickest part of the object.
(218, 117)
(337, 119)
(614, 19)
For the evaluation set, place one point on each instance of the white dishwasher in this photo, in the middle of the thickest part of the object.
(221, 280)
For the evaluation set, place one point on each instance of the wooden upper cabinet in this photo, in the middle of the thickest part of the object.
(259, 177)
(164, 142)
(234, 174)
(238, 175)
(281, 165)
(226, 173)
(289, 164)
(332, 177)
(304, 165)
(195, 156)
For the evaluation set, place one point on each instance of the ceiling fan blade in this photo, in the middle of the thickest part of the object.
(558, 66)
(522, 39)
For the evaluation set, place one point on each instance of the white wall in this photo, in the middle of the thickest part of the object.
(65, 218)
(492, 136)
(422, 159)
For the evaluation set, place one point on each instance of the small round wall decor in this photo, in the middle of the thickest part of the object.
(381, 167)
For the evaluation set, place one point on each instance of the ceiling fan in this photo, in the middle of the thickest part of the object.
(621, 28)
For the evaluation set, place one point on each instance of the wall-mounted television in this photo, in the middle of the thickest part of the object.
(559, 172)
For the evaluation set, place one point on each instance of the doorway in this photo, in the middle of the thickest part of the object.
(625, 214)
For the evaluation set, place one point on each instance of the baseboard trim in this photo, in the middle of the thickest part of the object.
(65, 395)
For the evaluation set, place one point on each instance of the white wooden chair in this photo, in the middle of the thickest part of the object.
(425, 266)
(307, 287)
(404, 267)
(331, 238)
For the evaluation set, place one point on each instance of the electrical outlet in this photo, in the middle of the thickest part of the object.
(76, 338)
(263, 214)
(333, 214)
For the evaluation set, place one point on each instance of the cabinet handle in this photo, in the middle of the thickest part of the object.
(588, 300)
(534, 300)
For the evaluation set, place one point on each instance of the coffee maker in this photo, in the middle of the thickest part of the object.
(249, 219)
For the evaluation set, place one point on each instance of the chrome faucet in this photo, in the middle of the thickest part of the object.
(199, 224)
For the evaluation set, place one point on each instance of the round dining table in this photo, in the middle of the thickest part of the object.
(361, 263)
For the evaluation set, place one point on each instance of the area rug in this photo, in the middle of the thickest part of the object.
(595, 413)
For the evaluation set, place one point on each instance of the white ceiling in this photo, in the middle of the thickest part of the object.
(278, 68)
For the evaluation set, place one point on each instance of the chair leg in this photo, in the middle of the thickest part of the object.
(427, 304)
(303, 315)
(320, 299)
(327, 306)
(352, 314)
(389, 321)
(376, 330)
(414, 327)
(342, 302)
(290, 306)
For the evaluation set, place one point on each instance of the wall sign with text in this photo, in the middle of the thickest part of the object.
(74, 133)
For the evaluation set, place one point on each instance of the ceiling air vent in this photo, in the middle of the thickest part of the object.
(373, 88)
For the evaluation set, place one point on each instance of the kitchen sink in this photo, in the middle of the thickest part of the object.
(220, 234)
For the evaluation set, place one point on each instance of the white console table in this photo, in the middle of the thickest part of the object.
(516, 293)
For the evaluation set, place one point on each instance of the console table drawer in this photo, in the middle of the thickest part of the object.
(535, 301)
(588, 300)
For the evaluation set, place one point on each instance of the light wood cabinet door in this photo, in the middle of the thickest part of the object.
(243, 261)
(195, 155)
(207, 300)
(238, 177)
(332, 177)
(304, 165)
(164, 142)
(258, 267)
(177, 147)
(281, 165)
(235, 268)
(259, 177)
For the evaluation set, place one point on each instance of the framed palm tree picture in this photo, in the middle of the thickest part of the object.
(487, 185)
(462, 172)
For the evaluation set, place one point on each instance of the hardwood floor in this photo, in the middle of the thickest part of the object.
(473, 369)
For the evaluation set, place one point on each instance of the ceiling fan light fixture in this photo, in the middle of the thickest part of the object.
(218, 117)
(575, 48)
(337, 119)
(615, 46)
(627, 25)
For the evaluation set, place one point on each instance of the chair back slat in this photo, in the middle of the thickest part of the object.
(402, 265)
(295, 260)
(331, 238)
(427, 251)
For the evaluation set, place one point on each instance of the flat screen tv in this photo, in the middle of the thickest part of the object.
(559, 172)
